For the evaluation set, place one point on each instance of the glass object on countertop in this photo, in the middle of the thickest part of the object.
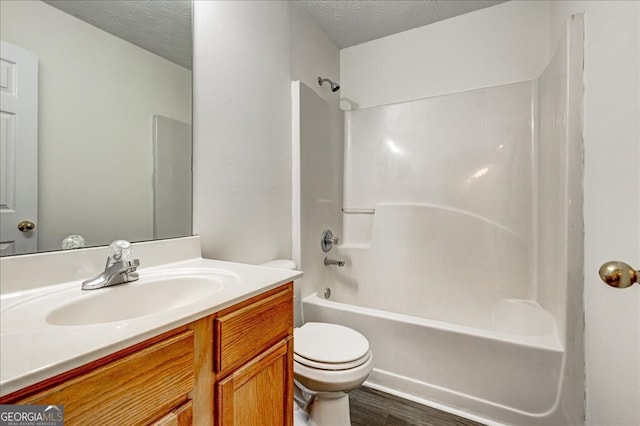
(73, 242)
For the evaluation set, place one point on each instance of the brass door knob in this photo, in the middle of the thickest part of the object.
(618, 274)
(26, 226)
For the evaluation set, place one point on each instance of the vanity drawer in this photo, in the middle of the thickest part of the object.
(244, 332)
(136, 389)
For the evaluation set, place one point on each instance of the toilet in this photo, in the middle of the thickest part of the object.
(329, 361)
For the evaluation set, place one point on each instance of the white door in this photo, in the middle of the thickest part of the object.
(18, 150)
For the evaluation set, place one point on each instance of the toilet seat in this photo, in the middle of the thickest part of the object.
(332, 366)
(330, 346)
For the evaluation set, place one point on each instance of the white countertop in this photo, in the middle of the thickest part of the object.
(32, 349)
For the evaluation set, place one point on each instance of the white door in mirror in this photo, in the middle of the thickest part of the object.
(18, 150)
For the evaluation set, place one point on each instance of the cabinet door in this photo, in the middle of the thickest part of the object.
(260, 393)
(244, 332)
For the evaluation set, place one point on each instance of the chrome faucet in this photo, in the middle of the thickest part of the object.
(118, 270)
(328, 262)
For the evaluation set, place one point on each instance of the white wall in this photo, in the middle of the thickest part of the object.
(242, 132)
(313, 55)
(92, 152)
(497, 45)
(612, 202)
(245, 56)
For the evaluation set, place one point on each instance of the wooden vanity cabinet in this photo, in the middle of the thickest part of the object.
(234, 367)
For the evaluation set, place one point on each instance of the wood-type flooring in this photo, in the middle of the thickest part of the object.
(370, 407)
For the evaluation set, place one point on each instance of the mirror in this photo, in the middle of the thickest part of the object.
(113, 121)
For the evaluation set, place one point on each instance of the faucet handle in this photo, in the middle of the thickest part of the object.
(119, 250)
(327, 240)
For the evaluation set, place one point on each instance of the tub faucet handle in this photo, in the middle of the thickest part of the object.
(327, 240)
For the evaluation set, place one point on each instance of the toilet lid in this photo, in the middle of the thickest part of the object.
(329, 343)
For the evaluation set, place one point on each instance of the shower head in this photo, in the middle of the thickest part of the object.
(334, 86)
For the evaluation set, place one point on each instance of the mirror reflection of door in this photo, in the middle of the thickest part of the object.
(18, 149)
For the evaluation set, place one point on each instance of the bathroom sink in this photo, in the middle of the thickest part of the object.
(151, 294)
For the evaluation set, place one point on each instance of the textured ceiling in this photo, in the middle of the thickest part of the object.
(351, 22)
(164, 26)
(159, 26)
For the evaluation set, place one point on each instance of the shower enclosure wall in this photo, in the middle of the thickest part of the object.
(462, 219)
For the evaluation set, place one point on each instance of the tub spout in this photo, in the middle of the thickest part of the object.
(328, 262)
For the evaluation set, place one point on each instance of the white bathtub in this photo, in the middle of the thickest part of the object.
(507, 372)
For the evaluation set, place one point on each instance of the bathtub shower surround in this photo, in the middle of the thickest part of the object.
(463, 239)
(450, 180)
